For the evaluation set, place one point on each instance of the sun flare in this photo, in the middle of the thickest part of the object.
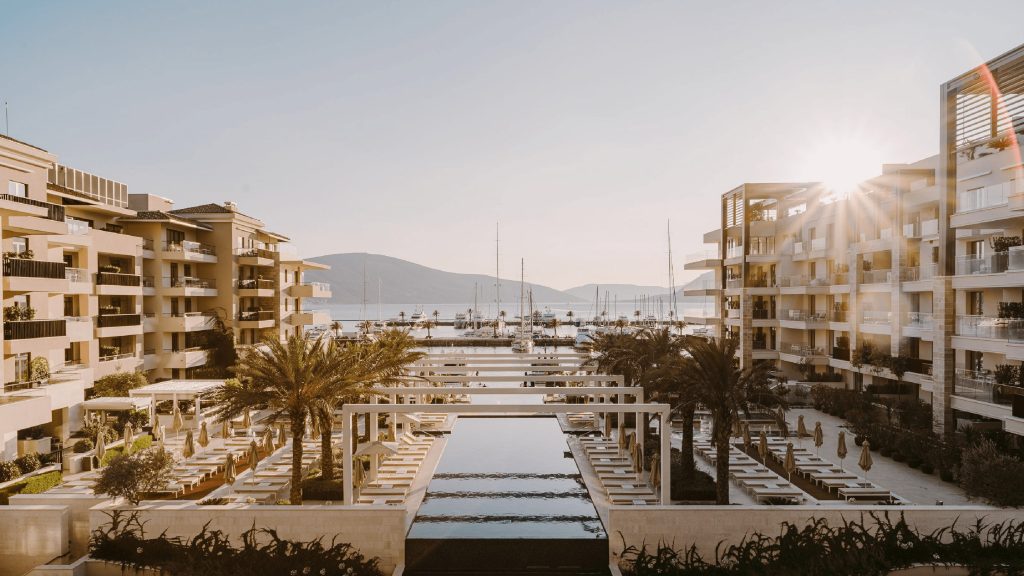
(843, 164)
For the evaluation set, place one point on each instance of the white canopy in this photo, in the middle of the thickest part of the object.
(117, 403)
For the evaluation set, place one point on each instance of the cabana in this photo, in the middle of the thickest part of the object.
(177, 392)
(117, 404)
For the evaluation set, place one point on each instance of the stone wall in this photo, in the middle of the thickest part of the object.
(373, 530)
(706, 526)
(30, 535)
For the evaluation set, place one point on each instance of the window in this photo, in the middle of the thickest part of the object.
(17, 189)
(19, 244)
(175, 237)
(975, 303)
(22, 367)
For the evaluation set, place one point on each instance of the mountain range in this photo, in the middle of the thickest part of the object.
(404, 282)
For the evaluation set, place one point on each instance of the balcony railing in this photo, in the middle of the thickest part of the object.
(979, 385)
(734, 283)
(841, 353)
(985, 197)
(25, 329)
(116, 356)
(322, 285)
(77, 227)
(1009, 329)
(760, 344)
(762, 314)
(256, 253)
(819, 244)
(839, 278)
(876, 317)
(24, 268)
(755, 282)
(191, 247)
(188, 282)
(988, 264)
(875, 276)
(734, 252)
(54, 212)
(920, 319)
(802, 350)
(804, 315)
(147, 243)
(118, 320)
(256, 284)
(147, 282)
(117, 279)
(76, 274)
(839, 316)
(256, 315)
(702, 255)
(915, 273)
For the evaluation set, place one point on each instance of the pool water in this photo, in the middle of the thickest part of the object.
(501, 483)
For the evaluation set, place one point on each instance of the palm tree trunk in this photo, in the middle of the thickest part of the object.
(326, 452)
(298, 429)
(721, 466)
(687, 449)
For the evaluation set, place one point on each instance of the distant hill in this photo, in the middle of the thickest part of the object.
(624, 292)
(404, 282)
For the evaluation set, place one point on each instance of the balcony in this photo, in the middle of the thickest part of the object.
(256, 257)
(1007, 329)
(256, 319)
(876, 276)
(34, 336)
(703, 260)
(189, 251)
(79, 328)
(147, 246)
(150, 360)
(762, 314)
(921, 320)
(988, 264)
(310, 290)
(189, 286)
(187, 357)
(977, 392)
(733, 283)
(839, 316)
(258, 287)
(841, 353)
(706, 287)
(188, 322)
(149, 322)
(117, 284)
(801, 318)
(876, 317)
(28, 216)
(798, 353)
(24, 275)
(923, 273)
(113, 325)
(310, 318)
(116, 360)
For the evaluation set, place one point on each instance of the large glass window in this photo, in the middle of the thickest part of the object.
(17, 189)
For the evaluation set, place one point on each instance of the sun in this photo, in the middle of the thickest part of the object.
(843, 163)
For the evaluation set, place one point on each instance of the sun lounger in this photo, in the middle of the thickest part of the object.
(633, 500)
(859, 493)
(763, 493)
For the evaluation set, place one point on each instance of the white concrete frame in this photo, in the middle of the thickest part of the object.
(662, 410)
(539, 379)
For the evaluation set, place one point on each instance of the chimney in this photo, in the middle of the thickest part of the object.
(231, 206)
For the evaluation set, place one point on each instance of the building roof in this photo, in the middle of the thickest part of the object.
(5, 137)
(158, 216)
(181, 388)
(117, 403)
(210, 208)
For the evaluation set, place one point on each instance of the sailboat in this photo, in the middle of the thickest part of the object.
(523, 341)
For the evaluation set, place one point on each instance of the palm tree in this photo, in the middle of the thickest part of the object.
(569, 315)
(428, 325)
(365, 327)
(336, 326)
(287, 378)
(401, 316)
(435, 315)
(713, 371)
(356, 366)
(680, 326)
(621, 323)
(555, 323)
(636, 313)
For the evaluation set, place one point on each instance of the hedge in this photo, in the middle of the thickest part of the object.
(34, 485)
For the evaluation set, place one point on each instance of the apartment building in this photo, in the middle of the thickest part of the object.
(923, 262)
(98, 281)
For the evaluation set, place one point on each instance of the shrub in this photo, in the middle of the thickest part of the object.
(34, 485)
(28, 463)
(317, 489)
(989, 473)
(118, 383)
(91, 431)
(82, 446)
(9, 470)
(131, 476)
(213, 553)
(40, 368)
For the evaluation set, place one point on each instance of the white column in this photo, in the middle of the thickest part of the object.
(620, 416)
(346, 458)
(665, 459)
(375, 458)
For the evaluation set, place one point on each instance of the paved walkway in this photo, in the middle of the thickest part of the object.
(910, 484)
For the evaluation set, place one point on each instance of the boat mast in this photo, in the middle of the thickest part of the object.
(362, 311)
(378, 299)
(497, 279)
(671, 276)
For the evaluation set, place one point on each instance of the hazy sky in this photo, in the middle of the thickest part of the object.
(409, 128)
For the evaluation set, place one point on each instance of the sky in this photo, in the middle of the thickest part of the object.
(412, 128)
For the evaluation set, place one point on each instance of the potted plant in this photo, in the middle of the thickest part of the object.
(110, 268)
